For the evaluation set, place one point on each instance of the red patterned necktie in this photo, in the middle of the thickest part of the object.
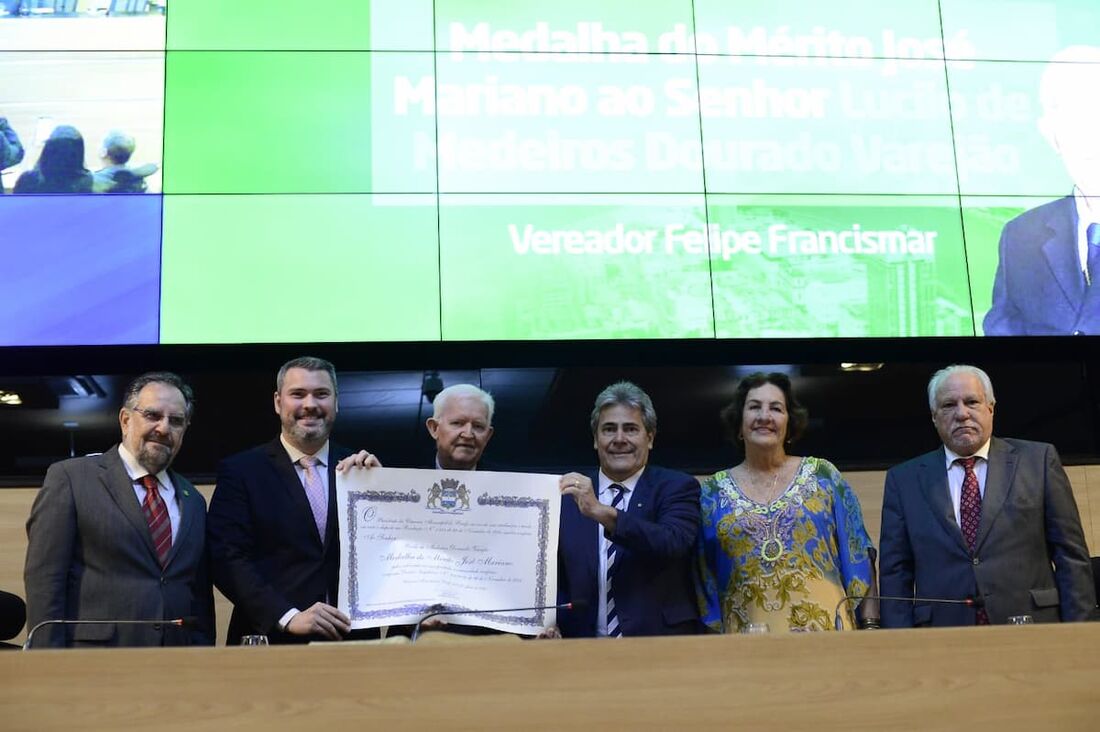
(970, 515)
(156, 515)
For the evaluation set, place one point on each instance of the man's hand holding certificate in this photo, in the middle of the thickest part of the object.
(416, 541)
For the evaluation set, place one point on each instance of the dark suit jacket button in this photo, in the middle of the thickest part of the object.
(976, 561)
(156, 627)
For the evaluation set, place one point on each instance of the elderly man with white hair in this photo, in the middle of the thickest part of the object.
(980, 529)
(461, 425)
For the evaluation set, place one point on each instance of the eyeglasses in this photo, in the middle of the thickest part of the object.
(175, 421)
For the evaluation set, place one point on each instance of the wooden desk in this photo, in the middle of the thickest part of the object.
(996, 678)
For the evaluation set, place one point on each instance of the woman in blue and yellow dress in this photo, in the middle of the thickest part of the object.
(782, 540)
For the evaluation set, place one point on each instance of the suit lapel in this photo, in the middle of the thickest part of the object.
(1089, 314)
(288, 477)
(643, 492)
(120, 488)
(186, 500)
(332, 527)
(1063, 260)
(933, 485)
(590, 536)
(999, 475)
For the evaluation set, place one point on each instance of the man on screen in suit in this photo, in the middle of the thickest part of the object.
(627, 531)
(120, 536)
(274, 544)
(1048, 271)
(981, 517)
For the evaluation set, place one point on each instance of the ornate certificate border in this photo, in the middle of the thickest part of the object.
(361, 500)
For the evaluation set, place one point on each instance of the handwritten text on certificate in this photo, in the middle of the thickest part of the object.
(417, 540)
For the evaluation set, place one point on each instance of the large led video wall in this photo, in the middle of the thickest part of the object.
(202, 171)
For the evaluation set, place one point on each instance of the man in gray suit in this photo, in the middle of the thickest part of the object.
(983, 519)
(119, 536)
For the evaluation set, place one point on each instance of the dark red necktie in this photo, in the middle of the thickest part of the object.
(970, 515)
(156, 515)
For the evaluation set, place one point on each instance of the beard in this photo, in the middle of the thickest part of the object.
(310, 435)
(154, 456)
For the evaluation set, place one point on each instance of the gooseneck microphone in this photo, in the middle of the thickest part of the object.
(437, 610)
(184, 622)
(974, 602)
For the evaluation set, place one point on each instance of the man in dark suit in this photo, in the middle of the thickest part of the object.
(1042, 287)
(1048, 270)
(120, 536)
(981, 518)
(627, 531)
(274, 544)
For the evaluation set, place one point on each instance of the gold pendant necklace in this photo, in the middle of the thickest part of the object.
(772, 538)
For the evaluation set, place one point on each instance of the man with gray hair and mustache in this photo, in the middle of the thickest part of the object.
(988, 527)
(121, 536)
(628, 530)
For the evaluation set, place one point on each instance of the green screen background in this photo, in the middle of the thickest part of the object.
(362, 175)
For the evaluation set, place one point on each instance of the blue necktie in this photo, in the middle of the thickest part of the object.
(613, 629)
(1093, 236)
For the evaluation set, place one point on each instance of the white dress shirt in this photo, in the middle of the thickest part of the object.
(164, 483)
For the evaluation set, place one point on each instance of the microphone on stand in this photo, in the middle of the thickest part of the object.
(577, 605)
(974, 602)
(178, 622)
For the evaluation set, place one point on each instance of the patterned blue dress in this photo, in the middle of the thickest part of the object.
(788, 563)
